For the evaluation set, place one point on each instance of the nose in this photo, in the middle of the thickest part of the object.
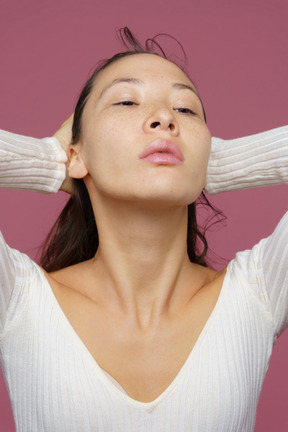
(162, 119)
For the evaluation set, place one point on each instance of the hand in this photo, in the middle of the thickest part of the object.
(64, 136)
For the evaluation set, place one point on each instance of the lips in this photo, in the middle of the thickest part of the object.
(163, 152)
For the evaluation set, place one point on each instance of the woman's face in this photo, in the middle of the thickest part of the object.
(144, 137)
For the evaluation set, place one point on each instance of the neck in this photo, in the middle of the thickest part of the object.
(142, 257)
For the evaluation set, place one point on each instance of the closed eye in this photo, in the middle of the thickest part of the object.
(185, 111)
(125, 103)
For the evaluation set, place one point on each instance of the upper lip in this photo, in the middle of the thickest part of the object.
(162, 145)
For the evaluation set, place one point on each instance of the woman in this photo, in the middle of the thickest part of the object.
(140, 335)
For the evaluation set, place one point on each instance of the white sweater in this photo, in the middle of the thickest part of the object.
(54, 383)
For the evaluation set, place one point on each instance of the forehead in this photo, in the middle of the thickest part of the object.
(143, 66)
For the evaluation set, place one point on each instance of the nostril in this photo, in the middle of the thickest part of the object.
(155, 124)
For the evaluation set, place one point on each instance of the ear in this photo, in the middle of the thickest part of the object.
(76, 167)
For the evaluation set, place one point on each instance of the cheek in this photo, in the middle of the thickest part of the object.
(201, 147)
(205, 152)
(100, 142)
(108, 152)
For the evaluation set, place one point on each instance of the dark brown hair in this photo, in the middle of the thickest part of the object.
(74, 236)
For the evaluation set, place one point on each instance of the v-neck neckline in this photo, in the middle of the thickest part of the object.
(148, 406)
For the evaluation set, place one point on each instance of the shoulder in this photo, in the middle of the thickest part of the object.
(206, 282)
(74, 279)
(13, 259)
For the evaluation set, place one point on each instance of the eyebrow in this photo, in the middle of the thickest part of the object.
(121, 80)
(179, 86)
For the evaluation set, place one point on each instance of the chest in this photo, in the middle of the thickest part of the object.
(45, 357)
(144, 363)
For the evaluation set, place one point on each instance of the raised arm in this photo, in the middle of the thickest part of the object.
(252, 161)
(273, 255)
(266, 271)
(31, 164)
(256, 161)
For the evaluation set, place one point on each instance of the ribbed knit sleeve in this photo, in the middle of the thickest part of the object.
(252, 161)
(15, 271)
(274, 273)
(31, 164)
(265, 267)
(25, 164)
(7, 280)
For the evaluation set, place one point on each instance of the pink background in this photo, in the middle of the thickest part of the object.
(238, 57)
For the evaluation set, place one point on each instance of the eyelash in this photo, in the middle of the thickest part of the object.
(125, 103)
(185, 111)
(181, 110)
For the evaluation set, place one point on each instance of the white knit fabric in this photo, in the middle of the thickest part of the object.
(31, 164)
(254, 161)
(54, 383)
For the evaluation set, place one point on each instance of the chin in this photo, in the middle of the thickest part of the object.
(163, 200)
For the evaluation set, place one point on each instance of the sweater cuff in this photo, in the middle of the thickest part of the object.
(254, 161)
(31, 164)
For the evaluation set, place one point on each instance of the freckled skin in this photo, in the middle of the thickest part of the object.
(114, 135)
